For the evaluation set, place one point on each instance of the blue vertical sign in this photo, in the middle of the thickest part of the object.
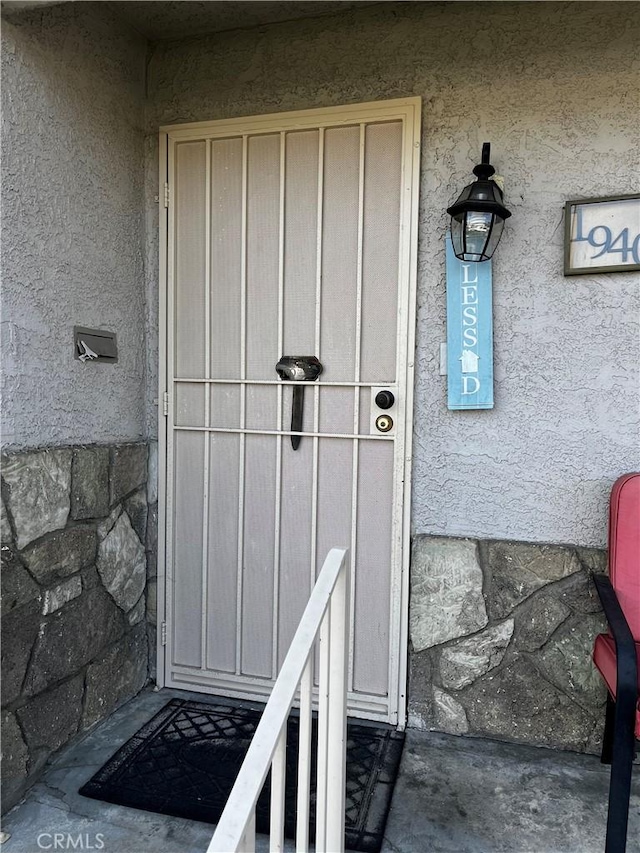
(469, 333)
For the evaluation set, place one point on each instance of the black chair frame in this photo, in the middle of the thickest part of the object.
(618, 748)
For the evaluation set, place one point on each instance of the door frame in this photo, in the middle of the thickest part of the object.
(409, 111)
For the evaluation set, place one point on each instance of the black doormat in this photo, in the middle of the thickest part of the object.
(184, 762)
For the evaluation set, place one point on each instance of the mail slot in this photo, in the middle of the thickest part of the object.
(95, 345)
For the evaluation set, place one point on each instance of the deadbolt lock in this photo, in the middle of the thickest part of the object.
(385, 399)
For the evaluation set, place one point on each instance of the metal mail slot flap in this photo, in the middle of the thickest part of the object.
(95, 345)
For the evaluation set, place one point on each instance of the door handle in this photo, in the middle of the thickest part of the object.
(298, 368)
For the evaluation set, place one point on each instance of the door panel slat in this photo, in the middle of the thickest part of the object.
(257, 586)
(381, 242)
(295, 545)
(339, 252)
(190, 258)
(187, 586)
(226, 261)
(262, 255)
(223, 551)
(300, 245)
(372, 587)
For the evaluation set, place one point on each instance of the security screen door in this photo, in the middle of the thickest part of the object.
(287, 235)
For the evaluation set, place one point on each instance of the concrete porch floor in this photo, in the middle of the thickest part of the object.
(453, 795)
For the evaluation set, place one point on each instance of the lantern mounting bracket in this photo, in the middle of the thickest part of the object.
(484, 169)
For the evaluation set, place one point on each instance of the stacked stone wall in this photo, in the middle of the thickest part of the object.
(78, 541)
(501, 640)
(501, 632)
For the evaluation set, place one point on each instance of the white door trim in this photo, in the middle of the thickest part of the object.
(407, 110)
(163, 334)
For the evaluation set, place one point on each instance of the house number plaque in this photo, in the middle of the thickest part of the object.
(602, 235)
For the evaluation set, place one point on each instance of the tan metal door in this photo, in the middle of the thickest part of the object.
(287, 235)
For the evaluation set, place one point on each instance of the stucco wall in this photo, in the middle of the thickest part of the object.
(554, 87)
(72, 190)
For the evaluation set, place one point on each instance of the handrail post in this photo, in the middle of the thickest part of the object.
(278, 793)
(304, 757)
(323, 734)
(337, 745)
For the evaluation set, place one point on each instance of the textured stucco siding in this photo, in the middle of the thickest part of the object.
(554, 87)
(72, 193)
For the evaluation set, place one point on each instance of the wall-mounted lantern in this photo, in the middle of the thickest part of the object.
(477, 217)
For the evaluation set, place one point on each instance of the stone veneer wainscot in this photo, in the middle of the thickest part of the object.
(501, 632)
(79, 541)
(501, 640)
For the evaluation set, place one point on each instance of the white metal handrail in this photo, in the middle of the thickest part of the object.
(326, 613)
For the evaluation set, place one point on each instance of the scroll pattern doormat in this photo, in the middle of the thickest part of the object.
(184, 762)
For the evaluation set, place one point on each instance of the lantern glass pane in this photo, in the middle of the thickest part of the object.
(494, 239)
(457, 224)
(477, 229)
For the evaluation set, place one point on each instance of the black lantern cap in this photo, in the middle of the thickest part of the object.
(478, 211)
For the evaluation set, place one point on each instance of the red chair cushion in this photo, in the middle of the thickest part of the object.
(624, 547)
(604, 657)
